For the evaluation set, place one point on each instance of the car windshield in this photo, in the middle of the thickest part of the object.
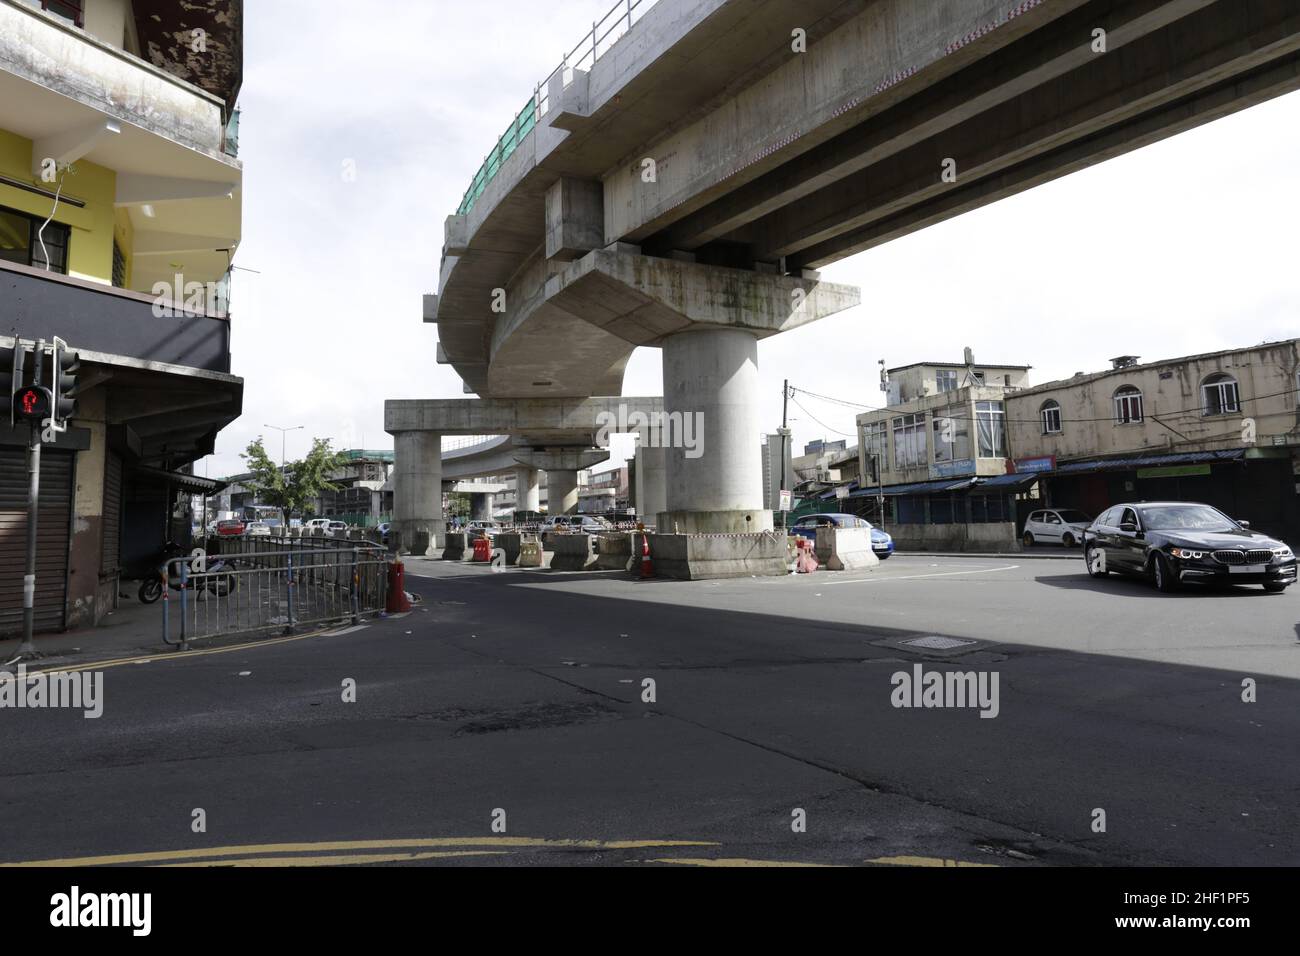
(1072, 516)
(1186, 518)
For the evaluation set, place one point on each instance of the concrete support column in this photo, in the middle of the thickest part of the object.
(417, 488)
(528, 495)
(651, 483)
(561, 492)
(715, 470)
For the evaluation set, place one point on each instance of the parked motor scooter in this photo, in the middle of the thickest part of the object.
(217, 578)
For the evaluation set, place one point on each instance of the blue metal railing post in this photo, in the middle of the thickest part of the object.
(288, 578)
(356, 586)
(185, 579)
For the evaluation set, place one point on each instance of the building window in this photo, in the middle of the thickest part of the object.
(951, 435)
(70, 10)
(875, 447)
(991, 509)
(909, 442)
(1219, 394)
(1051, 416)
(991, 424)
(946, 380)
(119, 267)
(1128, 405)
(20, 241)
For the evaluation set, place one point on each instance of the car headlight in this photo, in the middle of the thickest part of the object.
(1283, 553)
(1187, 554)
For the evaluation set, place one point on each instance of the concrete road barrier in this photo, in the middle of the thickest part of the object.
(698, 557)
(509, 542)
(458, 547)
(845, 549)
(530, 552)
(614, 551)
(572, 552)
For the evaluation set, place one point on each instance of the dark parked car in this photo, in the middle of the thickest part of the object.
(1172, 543)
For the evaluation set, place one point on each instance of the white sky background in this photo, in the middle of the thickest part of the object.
(1182, 247)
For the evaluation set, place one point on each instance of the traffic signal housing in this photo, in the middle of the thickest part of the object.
(12, 363)
(66, 365)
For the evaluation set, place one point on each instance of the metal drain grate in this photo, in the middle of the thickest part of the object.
(937, 643)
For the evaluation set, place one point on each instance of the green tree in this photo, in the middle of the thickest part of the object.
(294, 488)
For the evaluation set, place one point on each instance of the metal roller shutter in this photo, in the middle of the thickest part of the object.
(111, 555)
(54, 520)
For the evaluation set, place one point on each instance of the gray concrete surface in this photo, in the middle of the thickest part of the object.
(527, 692)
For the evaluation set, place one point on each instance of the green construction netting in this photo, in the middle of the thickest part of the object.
(510, 139)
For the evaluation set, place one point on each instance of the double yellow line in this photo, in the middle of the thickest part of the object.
(351, 852)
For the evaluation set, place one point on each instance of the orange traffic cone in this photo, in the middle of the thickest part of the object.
(647, 566)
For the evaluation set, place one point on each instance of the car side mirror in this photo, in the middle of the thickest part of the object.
(1244, 524)
(1128, 526)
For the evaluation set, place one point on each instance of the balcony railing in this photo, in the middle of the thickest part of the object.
(605, 32)
(98, 318)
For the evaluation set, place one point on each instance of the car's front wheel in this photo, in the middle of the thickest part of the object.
(1162, 575)
(1095, 562)
(1067, 539)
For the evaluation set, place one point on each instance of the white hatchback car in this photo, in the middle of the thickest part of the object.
(1056, 526)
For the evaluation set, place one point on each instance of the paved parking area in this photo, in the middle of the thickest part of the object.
(1020, 599)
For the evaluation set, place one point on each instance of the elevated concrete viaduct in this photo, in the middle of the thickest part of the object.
(558, 436)
(680, 188)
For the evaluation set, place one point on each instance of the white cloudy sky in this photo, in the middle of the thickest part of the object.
(1185, 246)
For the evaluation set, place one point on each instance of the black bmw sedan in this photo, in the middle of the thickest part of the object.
(1172, 543)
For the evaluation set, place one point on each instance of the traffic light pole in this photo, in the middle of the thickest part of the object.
(27, 649)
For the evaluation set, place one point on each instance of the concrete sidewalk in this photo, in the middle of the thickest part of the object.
(134, 628)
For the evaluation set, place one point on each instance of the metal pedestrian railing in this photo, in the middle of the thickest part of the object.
(257, 585)
(605, 32)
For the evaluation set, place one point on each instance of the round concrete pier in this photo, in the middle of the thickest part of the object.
(714, 465)
(417, 490)
(528, 495)
(561, 492)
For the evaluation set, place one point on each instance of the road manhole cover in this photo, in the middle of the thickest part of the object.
(936, 643)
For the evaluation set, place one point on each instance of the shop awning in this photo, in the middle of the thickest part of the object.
(183, 482)
(1149, 461)
(939, 487)
(1004, 484)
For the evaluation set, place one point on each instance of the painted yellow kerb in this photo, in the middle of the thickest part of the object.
(90, 248)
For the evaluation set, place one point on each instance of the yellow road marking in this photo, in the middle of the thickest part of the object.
(175, 655)
(359, 859)
(731, 862)
(923, 861)
(199, 853)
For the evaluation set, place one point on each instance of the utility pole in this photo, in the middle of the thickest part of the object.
(785, 409)
(283, 432)
(27, 649)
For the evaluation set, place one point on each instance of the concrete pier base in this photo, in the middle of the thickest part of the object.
(700, 557)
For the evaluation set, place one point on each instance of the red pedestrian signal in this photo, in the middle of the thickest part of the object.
(32, 404)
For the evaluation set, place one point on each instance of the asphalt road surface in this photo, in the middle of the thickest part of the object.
(519, 700)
